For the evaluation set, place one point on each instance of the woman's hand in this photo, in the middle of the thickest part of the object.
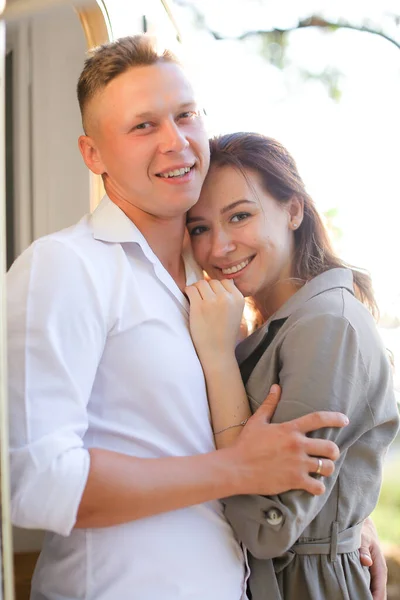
(371, 556)
(216, 309)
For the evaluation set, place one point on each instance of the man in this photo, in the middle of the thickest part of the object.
(112, 450)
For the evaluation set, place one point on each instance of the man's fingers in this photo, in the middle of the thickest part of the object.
(267, 408)
(321, 466)
(320, 419)
(313, 486)
(365, 557)
(322, 448)
(378, 572)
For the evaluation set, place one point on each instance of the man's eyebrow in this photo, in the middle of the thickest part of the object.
(223, 210)
(148, 114)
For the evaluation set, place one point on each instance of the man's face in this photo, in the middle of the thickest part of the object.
(147, 138)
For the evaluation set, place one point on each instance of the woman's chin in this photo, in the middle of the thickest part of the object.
(243, 289)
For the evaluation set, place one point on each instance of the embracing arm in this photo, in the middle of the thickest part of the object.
(330, 373)
(215, 313)
(57, 332)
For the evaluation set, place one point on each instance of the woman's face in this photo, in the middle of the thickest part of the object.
(240, 232)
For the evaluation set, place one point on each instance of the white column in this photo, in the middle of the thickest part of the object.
(6, 555)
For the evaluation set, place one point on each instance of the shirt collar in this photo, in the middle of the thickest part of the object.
(110, 224)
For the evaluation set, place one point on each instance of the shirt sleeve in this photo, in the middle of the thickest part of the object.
(321, 368)
(56, 336)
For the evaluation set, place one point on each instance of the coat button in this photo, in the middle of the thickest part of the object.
(273, 516)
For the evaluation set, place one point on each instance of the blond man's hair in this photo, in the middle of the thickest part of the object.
(112, 59)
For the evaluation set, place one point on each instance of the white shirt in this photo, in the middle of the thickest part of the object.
(100, 355)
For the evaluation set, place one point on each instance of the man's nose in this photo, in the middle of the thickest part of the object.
(173, 138)
(222, 244)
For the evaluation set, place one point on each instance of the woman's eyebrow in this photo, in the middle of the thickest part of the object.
(224, 210)
(235, 204)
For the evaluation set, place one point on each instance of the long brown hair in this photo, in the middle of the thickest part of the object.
(278, 171)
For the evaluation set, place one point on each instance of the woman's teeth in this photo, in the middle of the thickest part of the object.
(236, 268)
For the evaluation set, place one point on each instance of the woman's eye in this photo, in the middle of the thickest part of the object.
(240, 217)
(197, 230)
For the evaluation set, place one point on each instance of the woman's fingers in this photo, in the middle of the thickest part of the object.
(204, 289)
(217, 287)
(191, 291)
(209, 290)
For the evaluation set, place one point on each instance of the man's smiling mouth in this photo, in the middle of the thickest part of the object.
(175, 172)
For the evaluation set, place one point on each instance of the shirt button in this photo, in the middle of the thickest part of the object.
(273, 516)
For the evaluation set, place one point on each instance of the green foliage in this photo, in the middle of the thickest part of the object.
(386, 515)
(273, 47)
(332, 223)
(330, 77)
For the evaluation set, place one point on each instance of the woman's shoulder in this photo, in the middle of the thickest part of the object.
(337, 312)
(335, 304)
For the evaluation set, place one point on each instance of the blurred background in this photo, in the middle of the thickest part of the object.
(323, 78)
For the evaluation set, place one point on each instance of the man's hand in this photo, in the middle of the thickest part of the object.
(274, 458)
(371, 556)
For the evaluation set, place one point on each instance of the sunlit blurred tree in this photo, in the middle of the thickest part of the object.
(273, 28)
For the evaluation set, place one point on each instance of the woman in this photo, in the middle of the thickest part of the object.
(257, 234)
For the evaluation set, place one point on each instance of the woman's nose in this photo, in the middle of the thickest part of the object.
(222, 244)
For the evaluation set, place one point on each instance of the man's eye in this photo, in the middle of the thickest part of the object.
(240, 217)
(188, 114)
(197, 230)
(142, 126)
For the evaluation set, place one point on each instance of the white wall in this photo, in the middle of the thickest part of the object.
(60, 178)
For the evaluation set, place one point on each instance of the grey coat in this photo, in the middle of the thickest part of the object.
(325, 352)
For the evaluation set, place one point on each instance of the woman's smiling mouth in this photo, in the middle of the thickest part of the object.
(236, 268)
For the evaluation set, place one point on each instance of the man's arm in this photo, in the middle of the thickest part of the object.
(57, 334)
(123, 488)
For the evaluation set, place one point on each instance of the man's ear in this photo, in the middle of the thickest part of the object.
(296, 210)
(91, 154)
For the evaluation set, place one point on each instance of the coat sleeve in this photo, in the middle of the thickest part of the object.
(55, 340)
(321, 368)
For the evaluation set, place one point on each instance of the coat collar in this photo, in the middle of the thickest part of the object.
(329, 280)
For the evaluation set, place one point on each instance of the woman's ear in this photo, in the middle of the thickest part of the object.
(296, 212)
(91, 154)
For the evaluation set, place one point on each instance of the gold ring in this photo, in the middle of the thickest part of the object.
(319, 469)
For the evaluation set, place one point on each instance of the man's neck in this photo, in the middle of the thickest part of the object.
(164, 236)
